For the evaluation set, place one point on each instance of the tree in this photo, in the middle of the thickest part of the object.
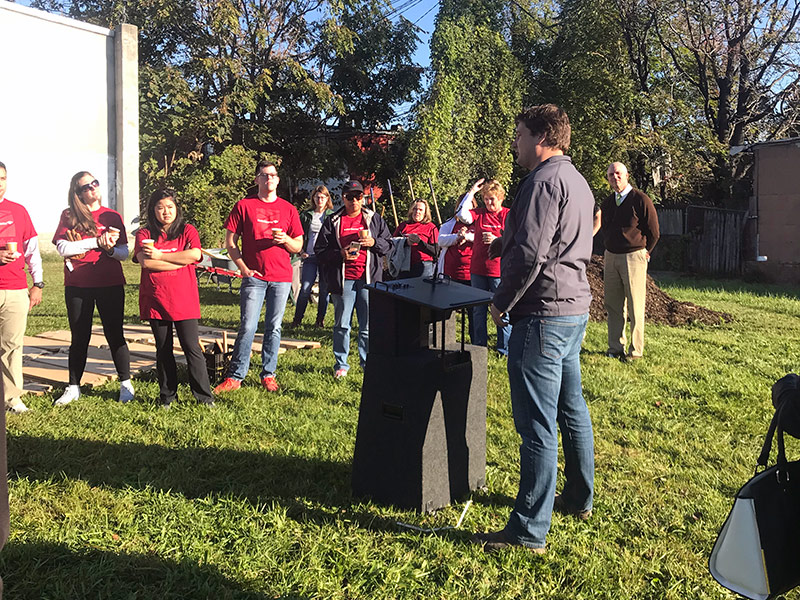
(741, 60)
(252, 73)
(464, 126)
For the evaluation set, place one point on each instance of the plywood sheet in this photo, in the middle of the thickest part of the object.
(56, 372)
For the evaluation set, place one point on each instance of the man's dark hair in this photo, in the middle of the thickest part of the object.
(3, 166)
(263, 163)
(550, 120)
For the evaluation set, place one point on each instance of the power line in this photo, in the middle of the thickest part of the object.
(435, 4)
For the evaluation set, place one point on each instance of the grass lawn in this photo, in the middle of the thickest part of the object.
(252, 499)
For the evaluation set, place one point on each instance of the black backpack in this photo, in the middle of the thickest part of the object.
(786, 391)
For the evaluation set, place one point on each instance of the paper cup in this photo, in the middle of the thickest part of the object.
(148, 242)
(12, 247)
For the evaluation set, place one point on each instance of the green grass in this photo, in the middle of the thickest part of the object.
(252, 499)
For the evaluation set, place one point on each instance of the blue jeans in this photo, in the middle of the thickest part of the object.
(544, 371)
(480, 313)
(307, 278)
(251, 298)
(354, 294)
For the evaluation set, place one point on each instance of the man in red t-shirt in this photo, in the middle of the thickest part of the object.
(270, 231)
(19, 245)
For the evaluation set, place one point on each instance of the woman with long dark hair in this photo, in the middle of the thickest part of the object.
(91, 238)
(167, 248)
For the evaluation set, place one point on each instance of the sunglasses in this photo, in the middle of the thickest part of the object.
(89, 186)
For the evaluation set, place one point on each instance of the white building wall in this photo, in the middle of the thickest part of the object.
(58, 112)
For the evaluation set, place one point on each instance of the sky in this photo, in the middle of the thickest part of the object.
(422, 13)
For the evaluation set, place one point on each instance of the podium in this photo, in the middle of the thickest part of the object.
(421, 440)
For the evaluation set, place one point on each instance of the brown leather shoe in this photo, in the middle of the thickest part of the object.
(560, 507)
(498, 540)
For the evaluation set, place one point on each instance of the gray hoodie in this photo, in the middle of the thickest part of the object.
(547, 244)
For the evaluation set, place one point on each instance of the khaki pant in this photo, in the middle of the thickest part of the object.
(13, 318)
(625, 282)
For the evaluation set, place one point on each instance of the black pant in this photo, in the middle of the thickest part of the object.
(80, 310)
(188, 337)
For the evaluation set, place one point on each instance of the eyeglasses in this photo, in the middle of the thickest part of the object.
(353, 197)
(267, 175)
(89, 186)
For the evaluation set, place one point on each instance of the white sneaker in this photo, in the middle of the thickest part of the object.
(16, 406)
(73, 392)
(126, 391)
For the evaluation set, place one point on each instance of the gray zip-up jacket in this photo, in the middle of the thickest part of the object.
(547, 244)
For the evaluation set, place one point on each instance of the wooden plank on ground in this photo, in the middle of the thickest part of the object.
(98, 340)
(215, 333)
(37, 388)
(46, 371)
(292, 344)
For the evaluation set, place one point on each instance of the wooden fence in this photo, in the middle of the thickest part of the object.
(715, 240)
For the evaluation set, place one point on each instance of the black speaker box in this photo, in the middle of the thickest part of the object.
(421, 440)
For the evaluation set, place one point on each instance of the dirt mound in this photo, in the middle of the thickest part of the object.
(660, 307)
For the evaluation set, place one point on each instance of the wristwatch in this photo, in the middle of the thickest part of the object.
(39, 284)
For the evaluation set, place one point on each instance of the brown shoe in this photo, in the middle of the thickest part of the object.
(493, 541)
(560, 507)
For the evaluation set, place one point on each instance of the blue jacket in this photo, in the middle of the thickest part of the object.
(547, 244)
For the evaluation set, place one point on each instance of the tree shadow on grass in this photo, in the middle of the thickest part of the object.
(193, 472)
(55, 571)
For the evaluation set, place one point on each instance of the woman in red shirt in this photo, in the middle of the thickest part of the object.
(91, 238)
(167, 248)
(422, 236)
(488, 223)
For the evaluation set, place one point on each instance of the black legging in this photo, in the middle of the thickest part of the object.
(80, 311)
(188, 337)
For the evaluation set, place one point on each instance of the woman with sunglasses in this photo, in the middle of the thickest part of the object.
(167, 248)
(91, 238)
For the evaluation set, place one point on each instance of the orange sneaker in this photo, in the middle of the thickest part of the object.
(230, 384)
(270, 383)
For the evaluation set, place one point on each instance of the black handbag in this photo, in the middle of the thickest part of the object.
(757, 552)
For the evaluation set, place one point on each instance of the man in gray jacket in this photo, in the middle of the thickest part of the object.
(546, 246)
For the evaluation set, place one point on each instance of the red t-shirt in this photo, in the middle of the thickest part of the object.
(485, 221)
(96, 269)
(427, 232)
(169, 295)
(15, 226)
(252, 220)
(458, 258)
(348, 232)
